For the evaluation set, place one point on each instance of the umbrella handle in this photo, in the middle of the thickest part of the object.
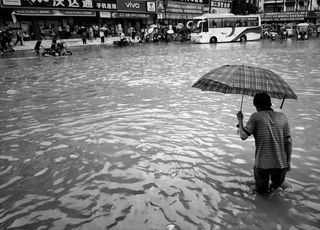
(241, 103)
(282, 102)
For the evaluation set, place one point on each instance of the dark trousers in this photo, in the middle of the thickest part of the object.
(262, 177)
(19, 39)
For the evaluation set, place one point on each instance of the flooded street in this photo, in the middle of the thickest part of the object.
(116, 138)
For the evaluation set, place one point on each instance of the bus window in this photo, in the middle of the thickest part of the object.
(219, 22)
(239, 22)
(253, 21)
(212, 23)
(245, 22)
(228, 22)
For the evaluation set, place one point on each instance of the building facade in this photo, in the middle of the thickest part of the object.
(286, 11)
(33, 15)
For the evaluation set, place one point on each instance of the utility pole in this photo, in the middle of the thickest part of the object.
(165, 4)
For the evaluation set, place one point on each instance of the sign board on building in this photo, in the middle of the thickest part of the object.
(221, 3)
(44, 12)
(75, 4)
(182, 8)
(190, 1)
(132, 6)
(151, 7)
(130, 15)
(284, 16)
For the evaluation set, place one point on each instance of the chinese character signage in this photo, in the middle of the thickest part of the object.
(182, 8)
(54, 12)
(221, 4)
(190, 1)
(76, 4)
(284, 16)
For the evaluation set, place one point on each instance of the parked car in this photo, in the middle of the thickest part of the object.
(302, 31)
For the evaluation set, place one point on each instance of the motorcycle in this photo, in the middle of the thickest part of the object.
(123, 42)
(273, 35)
(59, 50)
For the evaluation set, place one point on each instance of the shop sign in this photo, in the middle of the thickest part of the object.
(314, 14)
(130, 15)
(104, 14)
(151, 7)
(176, 16)
(284, 16)
(190, 1)
(181, 8)
(135, 6)
(33, 12)
(75, 4)
(221, 3)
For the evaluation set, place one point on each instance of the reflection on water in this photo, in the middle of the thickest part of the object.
(117, 139)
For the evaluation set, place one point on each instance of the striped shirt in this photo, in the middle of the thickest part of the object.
(270, 130)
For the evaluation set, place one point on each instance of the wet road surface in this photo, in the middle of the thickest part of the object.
(116, 138)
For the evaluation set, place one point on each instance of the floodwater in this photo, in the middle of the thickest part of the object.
(116, 138)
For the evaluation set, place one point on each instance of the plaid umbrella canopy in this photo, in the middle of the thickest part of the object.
(245, 80)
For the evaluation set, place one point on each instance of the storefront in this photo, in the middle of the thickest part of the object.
(135, 13)
(31, 15)
(172, 12)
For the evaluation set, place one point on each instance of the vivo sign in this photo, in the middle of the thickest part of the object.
(132, 6)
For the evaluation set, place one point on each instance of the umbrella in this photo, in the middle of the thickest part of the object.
(103, 28)
(245, 80)
(179, 26)
(150, 30)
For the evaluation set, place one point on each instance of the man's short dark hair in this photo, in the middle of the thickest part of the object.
(262, 100)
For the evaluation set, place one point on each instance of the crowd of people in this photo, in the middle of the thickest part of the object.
(144, 33)
(283, 31)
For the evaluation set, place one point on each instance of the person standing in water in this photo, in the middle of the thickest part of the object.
(273, 143)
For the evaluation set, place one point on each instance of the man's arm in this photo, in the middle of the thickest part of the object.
(288, 151)
(242, 133)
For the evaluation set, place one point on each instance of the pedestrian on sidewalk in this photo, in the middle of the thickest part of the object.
(102, 36)
(84, 37)
(37, 46)
(19, 37)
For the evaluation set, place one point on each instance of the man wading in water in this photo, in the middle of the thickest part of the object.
(271, 132)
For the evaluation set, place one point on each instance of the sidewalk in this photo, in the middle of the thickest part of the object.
(70, 42)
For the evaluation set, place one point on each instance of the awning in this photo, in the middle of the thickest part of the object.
(59, 13)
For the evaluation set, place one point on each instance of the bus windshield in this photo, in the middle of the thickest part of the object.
(196, 25)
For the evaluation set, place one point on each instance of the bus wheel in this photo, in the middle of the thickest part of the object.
(243, 38)
(213, 40)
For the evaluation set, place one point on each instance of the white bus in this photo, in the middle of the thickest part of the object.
(213, 28)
